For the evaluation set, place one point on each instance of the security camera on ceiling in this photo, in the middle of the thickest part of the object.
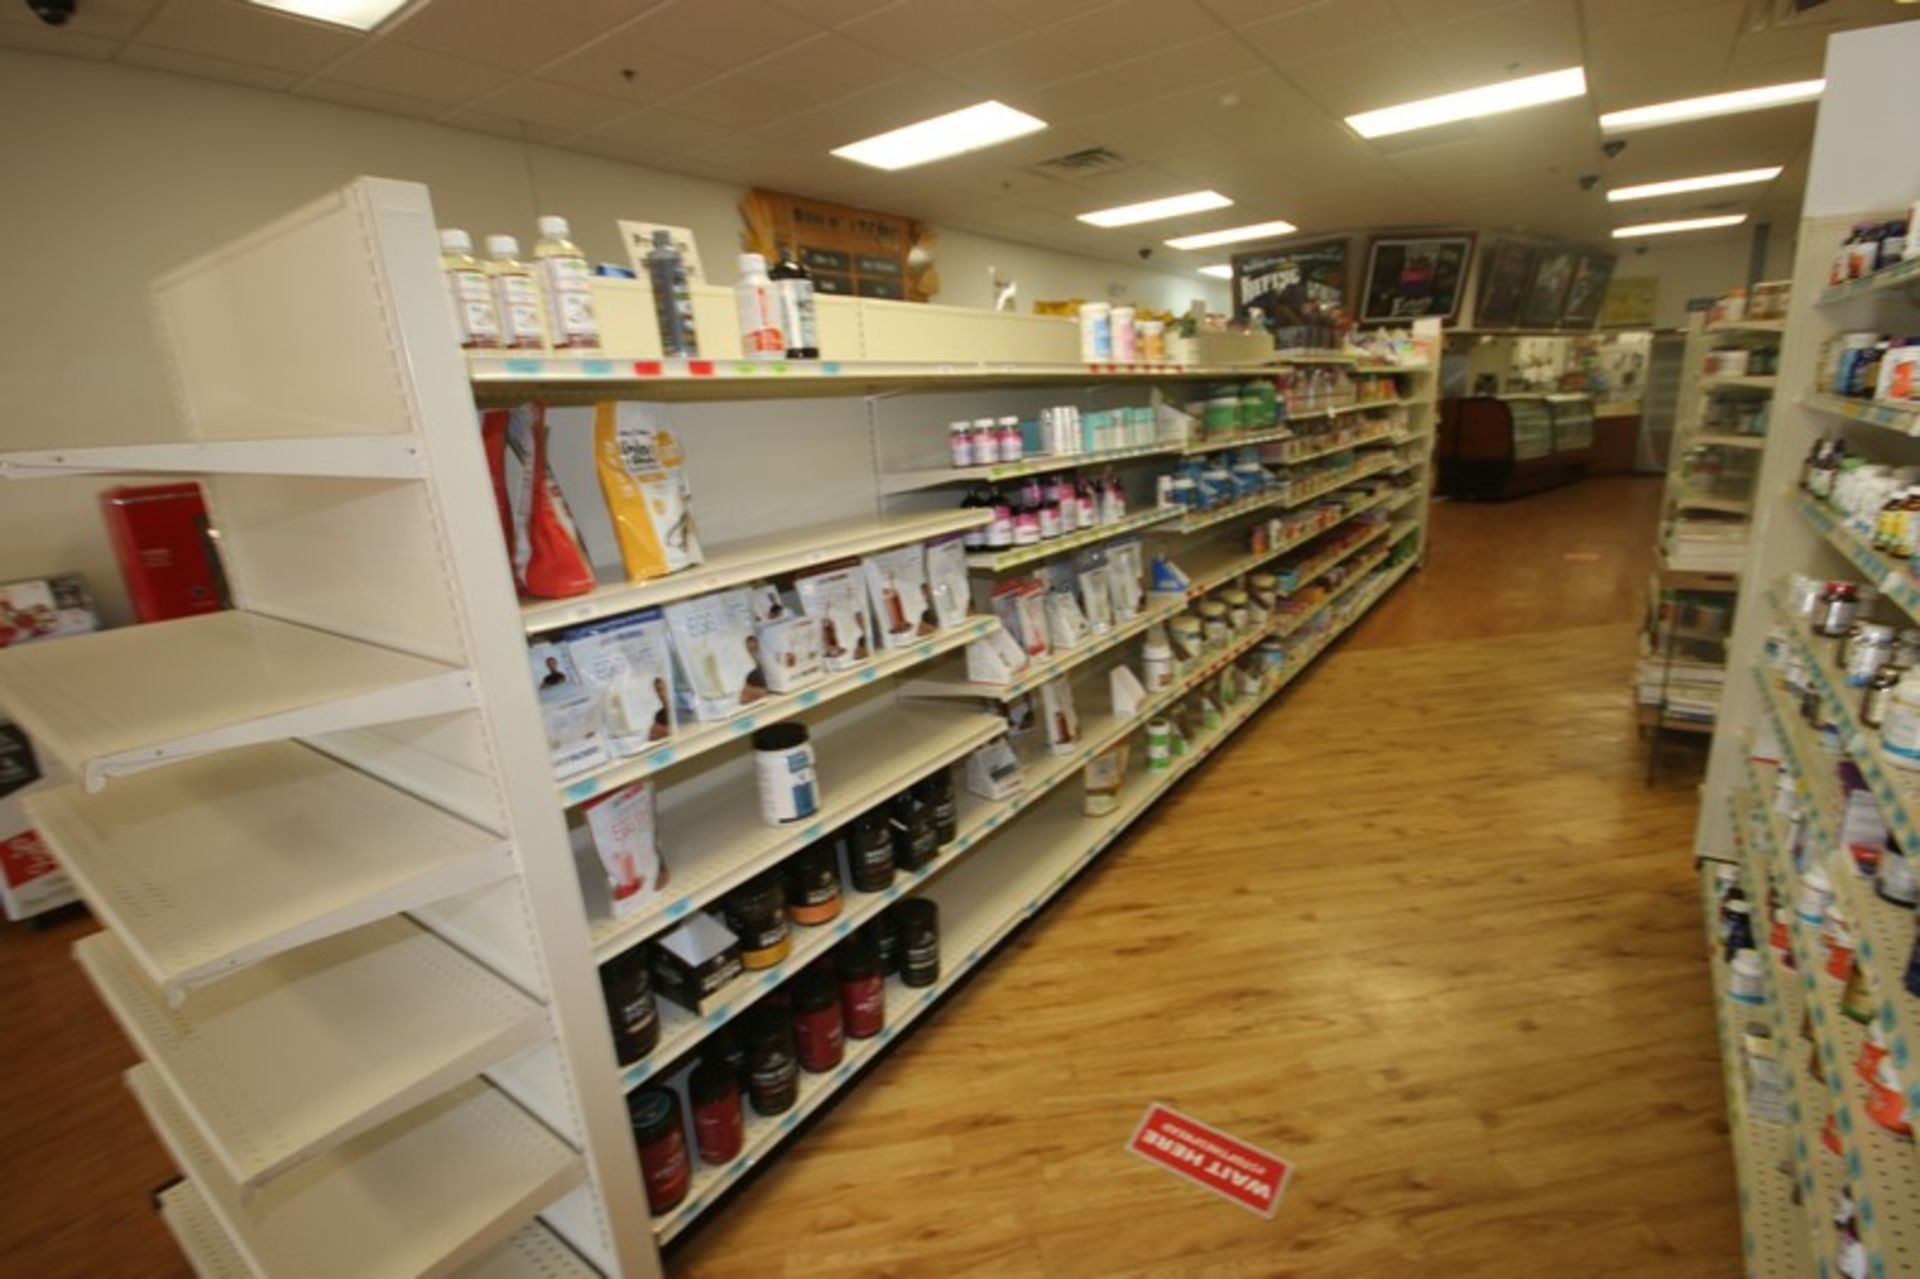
(52, 12)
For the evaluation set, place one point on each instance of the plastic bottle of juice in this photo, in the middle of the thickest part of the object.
(473, 313)
(760, 334)
(515, 296)
(568, 282)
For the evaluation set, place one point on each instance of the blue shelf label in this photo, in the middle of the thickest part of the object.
(665, 755)
(597, 368)
(679, 908)
(583, 790)
(743, 725)
(527, 368)
(808, 698)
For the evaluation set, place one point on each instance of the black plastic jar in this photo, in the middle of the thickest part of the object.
(885, 932)
(756, 912)
(726, 1049)
(820, 1038)
(719, 1127)
(773, 1068)
(919, 941)
(627, 984)
(813, 885)
(936, 790)
(661, 1139)
(915, 839)
(869, 843)
(863, 988)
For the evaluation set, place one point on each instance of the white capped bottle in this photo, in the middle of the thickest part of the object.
(516, 297)
(761, 337)
(568, 284)
(473, 313)
(793, 286)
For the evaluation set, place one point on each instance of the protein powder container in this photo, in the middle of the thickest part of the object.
(627, 983)
(719, 1125)
(756, 912)
(919, 924)
(869, 843)
(915, 839)
(819, 1035)
(773, 1068)
(813, 885)
(863, 988)
(783, 765)
(936, 790)
(654, 1114)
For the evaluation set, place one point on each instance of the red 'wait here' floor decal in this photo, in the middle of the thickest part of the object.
(1230, 1168)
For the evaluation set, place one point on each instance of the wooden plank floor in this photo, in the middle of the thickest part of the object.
(1419, 928)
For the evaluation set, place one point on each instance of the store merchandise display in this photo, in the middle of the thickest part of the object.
(584, 755)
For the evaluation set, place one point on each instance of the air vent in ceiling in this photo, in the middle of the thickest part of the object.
(1085, 162)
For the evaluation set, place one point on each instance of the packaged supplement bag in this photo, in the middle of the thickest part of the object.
(543, 541)
(643, 476)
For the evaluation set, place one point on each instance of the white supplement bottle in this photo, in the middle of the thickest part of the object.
(1096, 332)
(1900, 730)
(568, 283)
(761, 337)
(516, 298)
(473, 313)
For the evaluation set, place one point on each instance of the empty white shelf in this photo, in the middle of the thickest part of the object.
(309, 1049)
(125, 700)
(422, 1195)
(194, 1227)
(531, 1253)
(343, 456)
(225, 860)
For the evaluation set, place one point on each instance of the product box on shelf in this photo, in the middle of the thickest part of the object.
(618, 840)
(715, 641)
(45, 608)
(31, 881)
(694, 961)
(568, 711)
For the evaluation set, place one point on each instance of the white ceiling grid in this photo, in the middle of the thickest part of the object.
(1242, 96)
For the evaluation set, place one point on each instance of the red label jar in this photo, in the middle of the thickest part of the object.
(863, 987)
(719, 1126)
(818, 1035)
(655, 1116)
(773, 1073)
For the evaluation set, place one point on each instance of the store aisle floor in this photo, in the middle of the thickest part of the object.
(1421, 929)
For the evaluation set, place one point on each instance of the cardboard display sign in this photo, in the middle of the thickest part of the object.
(1237, 1172)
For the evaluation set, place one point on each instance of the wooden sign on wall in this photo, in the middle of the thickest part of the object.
(855, 252)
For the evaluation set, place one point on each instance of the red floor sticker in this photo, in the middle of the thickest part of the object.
(1229, 1168)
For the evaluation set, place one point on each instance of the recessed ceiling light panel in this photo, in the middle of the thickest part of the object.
(1678, 112)
(1233, 235)
(1468, 104)
(973, 128)
(1682, 224)
(1171, 206)
(361, 15)
(1706, 182)
(1218, 270)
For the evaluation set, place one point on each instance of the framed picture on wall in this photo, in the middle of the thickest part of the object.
(1587, 291)
(1547, 290)
(1299, 285)
(1415, 277)
(1504, 271)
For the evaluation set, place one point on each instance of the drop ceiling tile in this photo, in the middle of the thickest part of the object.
(420, 75)
(1041, 13)
(818, 69)
(246, 33)
(1689, 45)
(831, 12)
(924, 31)
(1014, 67)
(113, 19)
(674, 47)
(514, 34)
(382, 100)
(1376, 75)
(1434, 13)
(38, 37)
(1522, 39)
(1322, 29)
(867, 112)
(1142, 82)
(196, 64)
(504, 126)
(1135, 28)
(1240, 13)
(553, 107)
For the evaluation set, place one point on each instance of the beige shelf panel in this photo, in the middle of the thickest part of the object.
(894, 482)
(1038, 673)
(396, 457)
(310, 1049)
(122, 701)
(194, 1227)
(227, 859)
(531, 1253)
(736, 563)
(1015, 556)
(422, 1195)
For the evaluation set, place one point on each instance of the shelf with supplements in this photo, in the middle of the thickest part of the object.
(1894, 580)
(1015, 556)
(1034, 674)
(1729, 440)
(750, 559)
(1772, 326)
(983, 900)
(1311, 447)
(894, 482)
(367, 457)
(1775, 1229)
(1901, 418)
(1283, 430)
(1903, 275)
(1739, 382)
(1214, 567)
(1285, 496)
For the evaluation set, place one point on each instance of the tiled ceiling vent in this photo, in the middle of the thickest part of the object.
(1084, 163)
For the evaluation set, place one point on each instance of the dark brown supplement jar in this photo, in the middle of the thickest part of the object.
(863, 988)
(870, 852)
(756, 912)
(819, 1036)
(915, 840)
(919, 941)
(719, 1125)
(627, 983)
(813, 885)
(885, 932)
(654, 1114)
(936, 789)
(773, 1071)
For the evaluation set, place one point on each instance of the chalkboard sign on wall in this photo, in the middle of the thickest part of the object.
(1415, 277)
(1547, 291)
(1505, 268)
(1587, 291)
(1301, 289)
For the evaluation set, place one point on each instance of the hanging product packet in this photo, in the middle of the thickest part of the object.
(542, 540)
(897, 582)
(837, 595)
(947, 580)
(643, 478)
(620, 827)
(790, 641)
(626, 665)
(719, 652)
(568, 711)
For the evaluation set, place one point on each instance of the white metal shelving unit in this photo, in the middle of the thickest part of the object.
(346, 929)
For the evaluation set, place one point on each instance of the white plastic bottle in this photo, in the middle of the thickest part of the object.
(761, 337)
(516, 298)
(473, 313)
(568, 283)
(1900, 730)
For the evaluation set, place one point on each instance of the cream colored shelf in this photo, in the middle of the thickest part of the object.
(1902, 275)
(1327, 450)
(1240, 439)
(393, 457)
(697, 739)
(531, 1252)
(1892, 578)
(225, 860)
(1901, 418)
(202, 1240)
(892, 482)
(1014, 557)
(1721, 440)
(1689, 500)
(1038, 673)
(1748, 326)
(121, 701)
(421, 1195)
(715, 841)
(737, 563)
(306, 1051)
(1737, 382)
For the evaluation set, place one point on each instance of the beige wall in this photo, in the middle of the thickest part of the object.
(113, 174)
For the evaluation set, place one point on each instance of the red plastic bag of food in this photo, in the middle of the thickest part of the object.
(548, 560)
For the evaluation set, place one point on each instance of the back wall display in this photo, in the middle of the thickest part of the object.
(849, 251)
(1302, 286)
(1587, 291)
(1505, 268)
(1412, 277)
(1547, 291)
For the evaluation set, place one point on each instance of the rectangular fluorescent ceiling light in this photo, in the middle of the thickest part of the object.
(1771, 95)
(361, 15)
(1684, 224)
(1468, 104)
(1153, 210)
(1218, 270)
(1707, 182)
(973, 128)
(1232, 235)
